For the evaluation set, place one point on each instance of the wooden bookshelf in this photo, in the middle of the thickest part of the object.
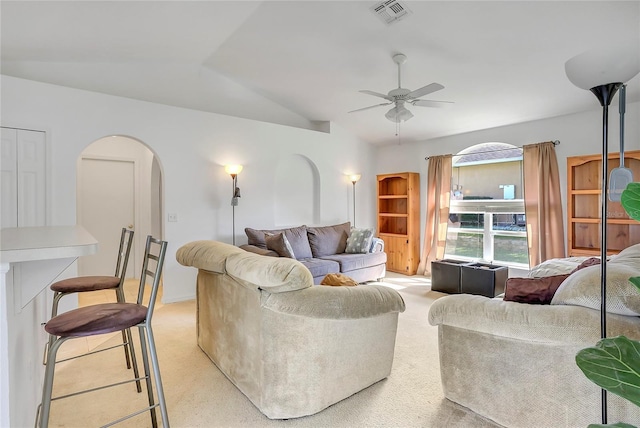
(399, 220)
(584, 182)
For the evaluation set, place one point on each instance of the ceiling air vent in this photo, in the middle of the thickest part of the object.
(390, 11)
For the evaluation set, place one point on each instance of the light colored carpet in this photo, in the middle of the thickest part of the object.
(199, 395)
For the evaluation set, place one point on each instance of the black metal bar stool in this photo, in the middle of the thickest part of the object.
(82, 284)
(110, 317)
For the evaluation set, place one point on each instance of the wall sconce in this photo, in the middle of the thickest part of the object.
(233, 171)
(354, 179)
(603, 72)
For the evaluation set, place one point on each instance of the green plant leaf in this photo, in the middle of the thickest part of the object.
(618, 425)
(630, 200)
(613, 364)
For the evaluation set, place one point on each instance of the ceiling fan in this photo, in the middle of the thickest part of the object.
(400, 96)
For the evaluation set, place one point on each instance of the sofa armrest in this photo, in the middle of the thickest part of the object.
(377, 245)
(560, 324)
(363, 301)
(207, 255)
(258, 250)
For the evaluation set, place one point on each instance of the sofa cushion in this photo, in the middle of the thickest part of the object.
(297, 237)
(272, 274)
(349, 262)
(328, 240)
(359, 240)
(280, 244)
(320, 267)
(533, 290)
(582, 288)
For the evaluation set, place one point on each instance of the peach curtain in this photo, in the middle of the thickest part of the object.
(438, 194)
(542, 203)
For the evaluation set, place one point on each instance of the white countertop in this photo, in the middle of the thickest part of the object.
(21, 244)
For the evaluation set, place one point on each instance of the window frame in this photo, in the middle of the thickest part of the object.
(487, 207)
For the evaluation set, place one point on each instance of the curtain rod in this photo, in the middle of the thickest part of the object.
(555, 143)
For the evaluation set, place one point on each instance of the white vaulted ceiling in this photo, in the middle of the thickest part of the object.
(301, 62)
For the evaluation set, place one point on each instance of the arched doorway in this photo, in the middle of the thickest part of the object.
(119, 184)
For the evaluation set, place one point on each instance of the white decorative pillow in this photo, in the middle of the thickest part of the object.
(582, 288)
(629, 256)
(359, 241)
(554, 267)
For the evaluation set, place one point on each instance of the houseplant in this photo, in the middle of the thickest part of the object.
(614, 363)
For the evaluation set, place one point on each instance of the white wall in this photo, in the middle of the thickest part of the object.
(579, 134)
(192, 148)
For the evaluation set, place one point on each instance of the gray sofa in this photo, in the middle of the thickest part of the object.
(292, 347)
(322, 251)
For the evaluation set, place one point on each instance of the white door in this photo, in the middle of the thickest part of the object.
(23, 154)
(9, 179)
(106, 193)
(31, 178)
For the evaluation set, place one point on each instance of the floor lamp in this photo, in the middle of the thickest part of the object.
(354, 179)
(603, 72)
(233, 171)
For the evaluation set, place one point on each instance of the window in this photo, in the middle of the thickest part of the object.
(486, 216)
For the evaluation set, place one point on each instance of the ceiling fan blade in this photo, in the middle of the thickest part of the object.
(425, 90)
(431, 103)
(367, 108)
(378, 94)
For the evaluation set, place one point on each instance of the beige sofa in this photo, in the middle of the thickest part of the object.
(291, 347)
(514, 363)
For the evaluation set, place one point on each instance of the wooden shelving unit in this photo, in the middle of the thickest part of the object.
(584, 182)
(398, 220)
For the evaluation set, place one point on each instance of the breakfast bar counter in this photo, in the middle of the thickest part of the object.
(31, 258)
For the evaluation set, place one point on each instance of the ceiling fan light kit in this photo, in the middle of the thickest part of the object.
(400, 96)
(399, 113)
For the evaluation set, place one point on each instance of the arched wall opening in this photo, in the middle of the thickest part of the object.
(119, 184)
(297, 191)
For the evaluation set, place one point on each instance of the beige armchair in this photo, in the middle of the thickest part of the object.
(514, 363)
(291, 347)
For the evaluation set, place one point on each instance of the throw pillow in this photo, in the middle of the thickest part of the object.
(280, 244)
(592, 261)
(299, 241)
(533, 290)
(338, 279)
(377, 245)
(556, 267)
(328, 240)
(629, 256)
(255, 237)
(359, 241)
(297, 237)
(582, 288)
